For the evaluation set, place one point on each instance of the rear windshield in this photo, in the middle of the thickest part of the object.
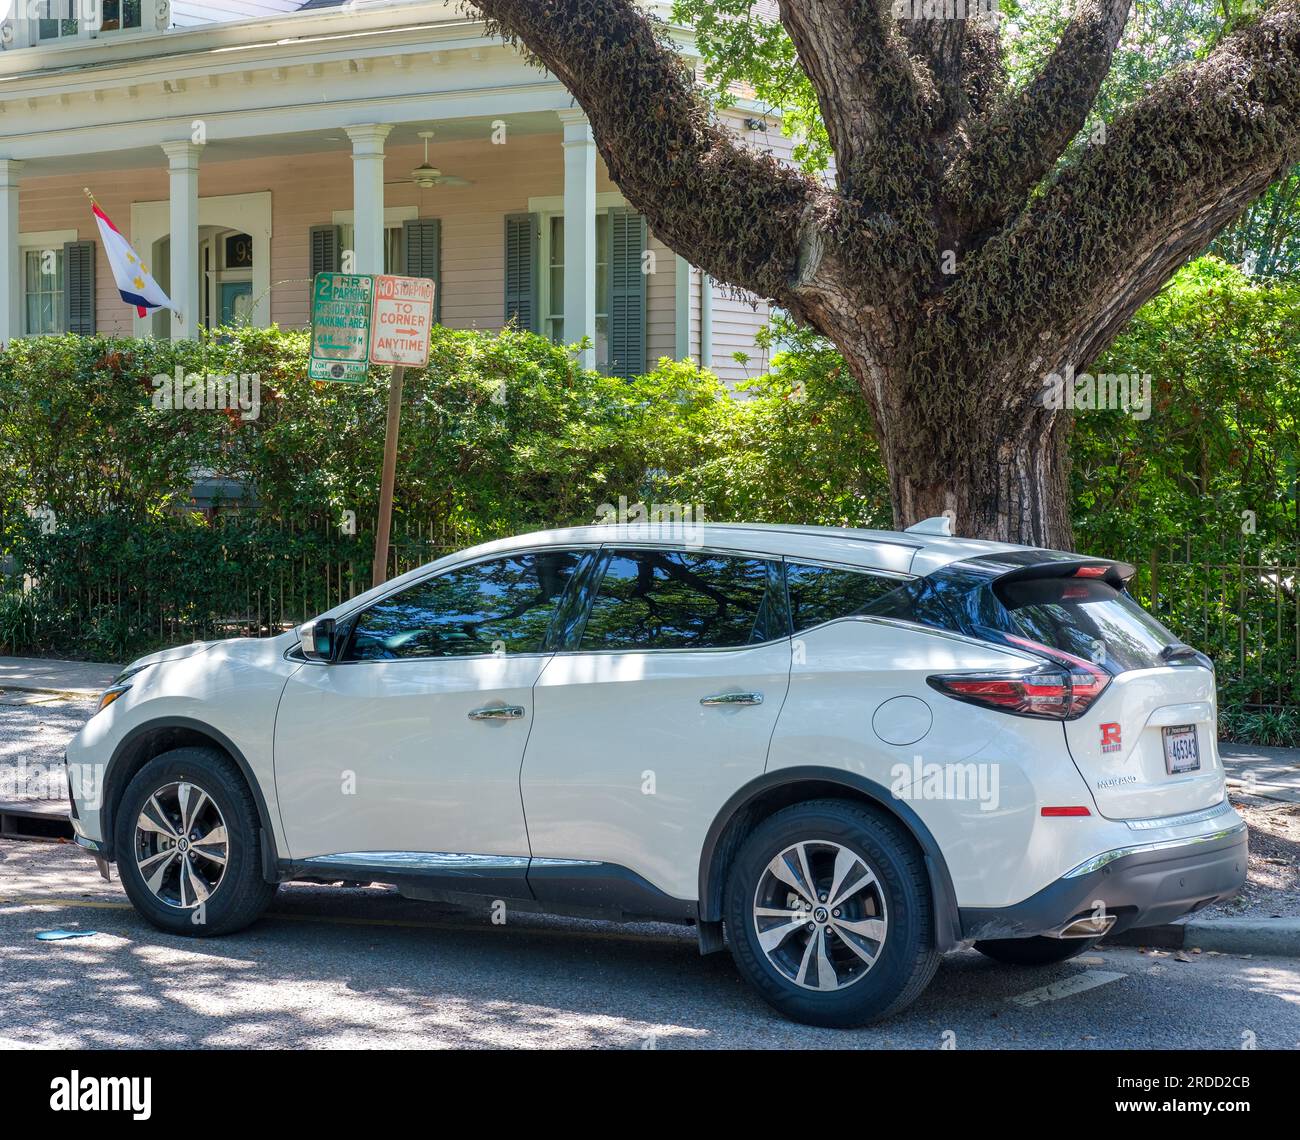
(1084, 617)
(1087, 618)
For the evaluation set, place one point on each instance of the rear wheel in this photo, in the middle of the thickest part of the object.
(187, 845)
(829, 916)
(1034, 951)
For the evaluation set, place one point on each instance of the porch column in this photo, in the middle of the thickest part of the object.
(368, 196)
(183, 168)
(11, 298)
(579, 232)
(682, 307)
(706, 321)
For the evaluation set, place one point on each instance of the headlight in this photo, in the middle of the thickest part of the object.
(119, 685)
(111, 694)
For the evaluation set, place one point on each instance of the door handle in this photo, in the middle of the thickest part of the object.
(726, 700)
(498, 712)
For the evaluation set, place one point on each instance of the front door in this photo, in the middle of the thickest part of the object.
(660, 711)
(406, 752)
(236, 302)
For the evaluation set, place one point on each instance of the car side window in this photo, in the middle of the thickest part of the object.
(668, 599)
(501, 606)
(823, 593)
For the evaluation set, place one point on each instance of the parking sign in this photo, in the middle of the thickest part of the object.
(401, 321)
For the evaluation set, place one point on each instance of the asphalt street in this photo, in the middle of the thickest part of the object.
(333, 967)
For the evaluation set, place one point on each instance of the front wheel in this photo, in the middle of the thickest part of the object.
(829, 915)
(187, 845)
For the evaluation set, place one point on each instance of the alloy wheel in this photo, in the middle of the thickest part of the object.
(181, 845)
(820, 916)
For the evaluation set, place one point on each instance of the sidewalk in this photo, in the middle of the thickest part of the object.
(1257, 770)
(47, 675)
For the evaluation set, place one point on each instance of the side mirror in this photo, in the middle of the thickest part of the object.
(318, 639)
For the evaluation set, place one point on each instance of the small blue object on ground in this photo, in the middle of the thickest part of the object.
(60, 935)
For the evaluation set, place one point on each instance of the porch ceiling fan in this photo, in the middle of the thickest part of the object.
(426, 176)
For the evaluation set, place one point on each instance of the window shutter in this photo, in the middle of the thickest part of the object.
(627, 287)
(522, 233)
(422, 241)
(325, 242)
(79, 287)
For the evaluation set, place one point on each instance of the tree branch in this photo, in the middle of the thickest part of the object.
(872, 100)
(1111, 229)
(735, 213)
(1016, 146)
(744, 217)
(937, 45)
(984, 70)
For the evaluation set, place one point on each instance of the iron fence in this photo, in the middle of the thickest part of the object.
(1245, 615)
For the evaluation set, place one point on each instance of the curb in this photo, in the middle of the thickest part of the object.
(22, 687)
(1279, 937)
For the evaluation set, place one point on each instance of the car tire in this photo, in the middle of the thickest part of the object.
(1038, 951)
(837, 966)
(175, 876)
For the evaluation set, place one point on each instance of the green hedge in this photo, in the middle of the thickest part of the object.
(500, 434)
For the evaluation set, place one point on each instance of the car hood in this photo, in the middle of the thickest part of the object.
(176, 653)
(228, 648)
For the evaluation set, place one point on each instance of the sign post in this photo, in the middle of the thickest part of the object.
(401, 321)
(379, 571)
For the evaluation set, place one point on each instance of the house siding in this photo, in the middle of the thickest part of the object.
(661, 305)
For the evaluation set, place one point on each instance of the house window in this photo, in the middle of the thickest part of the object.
(120, 14)
(58, 18)
(553, 282)
(394, 254)
(55, 19)
(43, 291)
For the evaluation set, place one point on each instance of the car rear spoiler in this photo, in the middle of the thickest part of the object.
(1020, 565)
(1116, 574)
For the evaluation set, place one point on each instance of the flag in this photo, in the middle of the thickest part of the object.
(134, 281)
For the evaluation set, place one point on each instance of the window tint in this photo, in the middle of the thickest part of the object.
(664, 599)
(822, 593)
(1087, 618)
(506, 604)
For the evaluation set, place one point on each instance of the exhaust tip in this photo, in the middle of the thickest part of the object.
(1089, 926)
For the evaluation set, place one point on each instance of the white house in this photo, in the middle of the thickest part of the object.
(245, 145)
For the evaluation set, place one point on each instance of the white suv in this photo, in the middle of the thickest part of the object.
(850, 751)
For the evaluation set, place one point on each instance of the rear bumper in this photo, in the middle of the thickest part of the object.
(1143, 885)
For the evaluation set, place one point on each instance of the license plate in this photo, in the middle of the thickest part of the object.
(1182, 754)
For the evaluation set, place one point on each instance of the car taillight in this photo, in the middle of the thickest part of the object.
(1063, 688)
